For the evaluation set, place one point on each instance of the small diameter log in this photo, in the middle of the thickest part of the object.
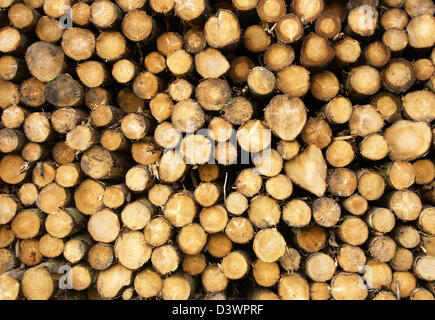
(388, 105)
(293, 80)
(264, 212)
(8, 259)
(356, 204)
(11, 169)
(136, 215)
(81, 13)
(13, 41)
(99, 163)
(403, 284)
(171, 166)
(299, 170)
(219, 245)
(238, 111)
(50, 247)
(320, 267)
(293, 287)
(110, 45)
(371, 185)
(421, 294)
(347, 51)
(261, 81)
(296, 213)
(328, 24)
(317, 132)
(169, 42)
(179, 90)
(61, 153)
(43, 173)
(326, 212)
(64, 222)
(95, 97)
(342, 182)
(418, 30)
(362, 20)
(210, 63)
(407, 236)
(7, 236)
(396, 40)
(316, 51)
(324, 85)
(82, 137)
(213, 94)
(88, 197)
(104, 14)
(76, 248)
(37, 127)
(207, 194)
(239, 230)
(222, 30)
(424, 68)
(112, 280)
(398, 174)
(192, 238)
(220, 129)
(22, 16)
(115, 196)
(64, 120)
(100, 256)
(235, 265)
(351, 259)
(64, 91)
(278, 56)
(137, 26)
(266, 274)
(48, 29)
(11, 140)
(147, 283)
(159, 194)
(27, 193)
(424, 171)
(213, 279)
(32, 92)
(365, 120)
(12, 68)
(424, 267)
(236, 203)
(161, 107)
(157, 232)
(256, 39)
(132, 250)
(382, 248)
(37, 284)
(248, 182)
(426, 220)
(279, 187)
(124, 70)
(306, 10)
(138, 178)
(271, 10)
(403, 260)
(165, 259)
(353, 231)
(394, 18)
(377, 275)
(406, 204)
(408, 140)
(9, 287)
(419, 105)
(311, 238)
(319, 291)
(398, 75)
(363, 81)
(239, 69)
(180, 209)
(114, 140)
(109, 220)
(348, 286)
(52, 197)
(194, 41)
(269, 245)
(285, 116)
(380, 219)
(288, 149)
(192, 11)
(9, 94)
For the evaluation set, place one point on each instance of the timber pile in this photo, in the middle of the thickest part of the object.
(244, 149)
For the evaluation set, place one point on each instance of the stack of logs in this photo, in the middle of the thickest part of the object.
(244, 149)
